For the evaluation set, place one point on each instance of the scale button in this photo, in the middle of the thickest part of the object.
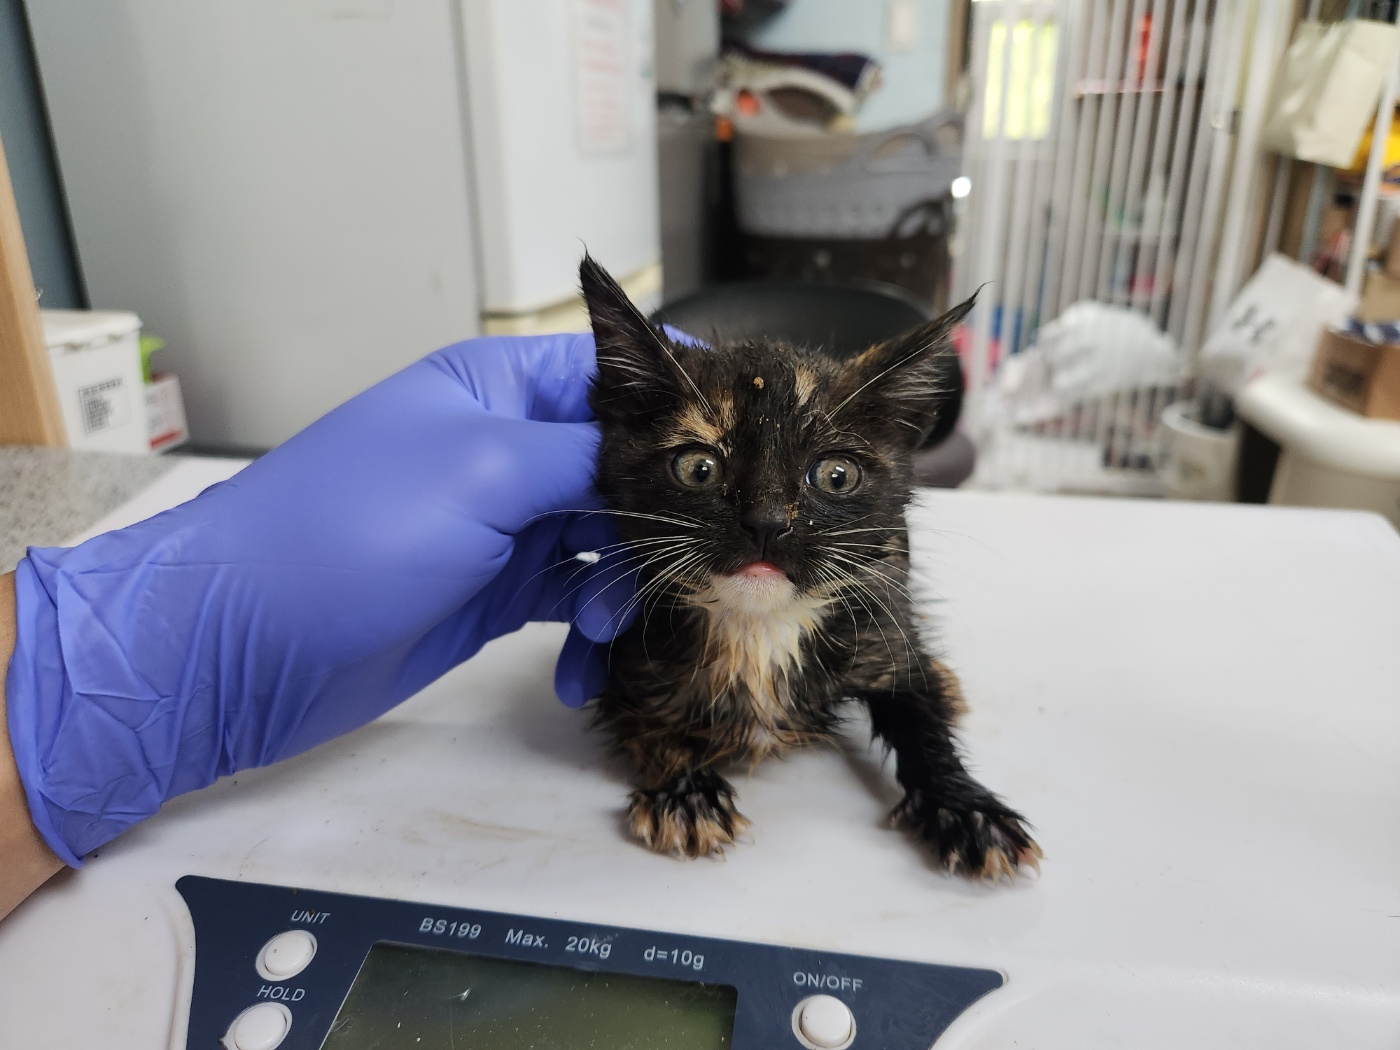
(260, 1027)
(286, 955)
(825, 1021)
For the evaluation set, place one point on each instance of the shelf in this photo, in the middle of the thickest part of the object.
(1085, 88)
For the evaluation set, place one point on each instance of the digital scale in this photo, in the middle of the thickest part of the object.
(1197, 707)
(368, 974)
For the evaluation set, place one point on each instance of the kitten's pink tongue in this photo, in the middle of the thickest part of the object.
(761, 571)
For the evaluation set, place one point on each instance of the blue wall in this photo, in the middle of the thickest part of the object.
(24, 129)
(914, 82)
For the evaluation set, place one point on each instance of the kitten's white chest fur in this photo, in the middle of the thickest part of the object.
(755, 630)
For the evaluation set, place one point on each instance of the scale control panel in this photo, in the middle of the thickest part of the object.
(280, 967)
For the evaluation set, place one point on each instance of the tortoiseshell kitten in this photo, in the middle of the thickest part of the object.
(762, 489)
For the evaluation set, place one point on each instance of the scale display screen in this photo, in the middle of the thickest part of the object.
(411, 998)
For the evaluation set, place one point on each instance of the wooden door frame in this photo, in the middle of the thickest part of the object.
(29, 411)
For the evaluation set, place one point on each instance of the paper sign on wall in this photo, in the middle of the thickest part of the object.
(602, 102)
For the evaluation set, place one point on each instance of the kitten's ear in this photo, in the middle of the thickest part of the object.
(637, 368)
(897, 388)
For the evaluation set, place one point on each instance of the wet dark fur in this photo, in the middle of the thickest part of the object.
(693, 684)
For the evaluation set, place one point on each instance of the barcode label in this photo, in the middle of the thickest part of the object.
(104, 405)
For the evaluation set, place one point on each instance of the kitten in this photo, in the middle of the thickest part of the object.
(761, 489)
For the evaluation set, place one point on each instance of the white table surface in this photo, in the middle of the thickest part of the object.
(1197, 706)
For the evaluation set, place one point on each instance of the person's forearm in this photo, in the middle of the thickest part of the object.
(26, 863)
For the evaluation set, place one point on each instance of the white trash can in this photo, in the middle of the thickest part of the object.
(96, 361)
(1195, 461)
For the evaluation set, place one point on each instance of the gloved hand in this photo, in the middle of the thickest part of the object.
(322, 585)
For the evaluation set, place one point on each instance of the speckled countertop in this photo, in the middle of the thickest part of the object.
(48, 495)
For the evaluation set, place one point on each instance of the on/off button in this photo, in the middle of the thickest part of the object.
(823, 1022)
(286, 955)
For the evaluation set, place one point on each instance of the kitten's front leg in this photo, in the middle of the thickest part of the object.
(969, 829)
(681, 806)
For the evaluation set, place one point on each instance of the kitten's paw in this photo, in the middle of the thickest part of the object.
(990, 841)
(694, 816)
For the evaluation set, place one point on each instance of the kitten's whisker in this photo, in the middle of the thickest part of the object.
(858, 564)
(890, 368)
(848, 528)
(875, 569)
(876, 566)
(652, 555)
(658, 541)
(635, 543)
(910, 650)
(685, 521)
(658, 582)
(831, 423)
(666, 349)
(826, 532)
(657, 552)
(614, 563)
(669, 573)
(856, 593)
(672, 573)
(656, 587)
(631, 603)
(825, 573)
(852, 547)
(584, 566)
(894, 620)
(922, 528)
(898, 589)
(581, 568)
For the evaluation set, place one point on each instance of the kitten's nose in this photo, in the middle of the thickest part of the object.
(766, 525)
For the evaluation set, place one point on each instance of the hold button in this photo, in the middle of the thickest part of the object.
(260, 1027)
(823, 1022)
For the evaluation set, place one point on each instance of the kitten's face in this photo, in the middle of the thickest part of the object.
(755, 473)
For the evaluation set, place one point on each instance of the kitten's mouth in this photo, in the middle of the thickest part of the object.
(759, 572)
(756, 589)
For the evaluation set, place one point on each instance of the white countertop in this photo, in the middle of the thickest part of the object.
(1198, 706)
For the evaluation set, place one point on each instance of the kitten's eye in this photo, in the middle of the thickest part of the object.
(834, 475)
(696, 468)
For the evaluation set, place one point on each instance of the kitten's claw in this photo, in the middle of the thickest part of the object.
(989, 843)
(693, 817)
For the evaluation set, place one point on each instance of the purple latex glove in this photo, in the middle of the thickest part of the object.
(318, 588)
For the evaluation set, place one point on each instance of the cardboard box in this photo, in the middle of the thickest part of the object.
(97, 374)
(1392, 246)
(1380, 297)
(1357, 374)
(165, 412)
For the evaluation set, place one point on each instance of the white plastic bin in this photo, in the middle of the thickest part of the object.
(1195, 461)
(96, 360)
(844, 186)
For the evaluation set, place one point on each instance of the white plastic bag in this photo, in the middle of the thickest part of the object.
(1326, 89)
(1090, 351)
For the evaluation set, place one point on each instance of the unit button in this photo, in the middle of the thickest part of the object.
(286, 955)
(824, 1022)
(260, 1027)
